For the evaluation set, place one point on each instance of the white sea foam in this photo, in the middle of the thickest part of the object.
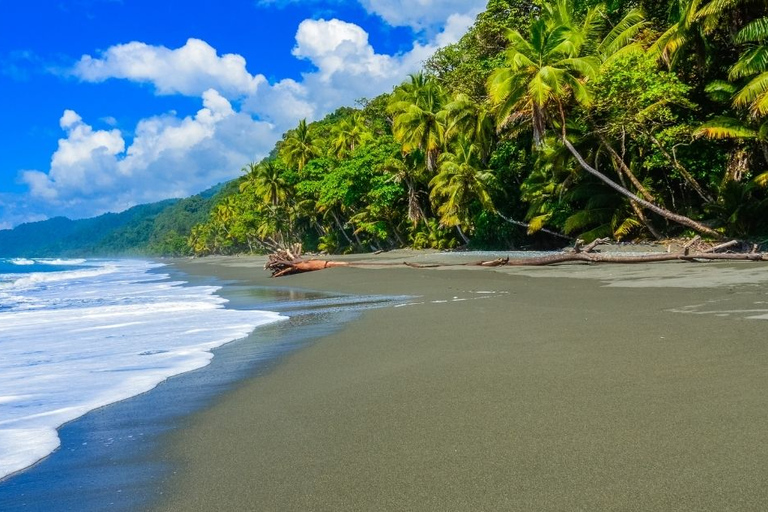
(59, 261)
(21, 261)
(73, 341)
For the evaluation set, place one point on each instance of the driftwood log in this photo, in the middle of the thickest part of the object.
(288, 260)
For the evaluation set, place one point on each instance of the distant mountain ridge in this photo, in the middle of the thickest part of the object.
(149, 229)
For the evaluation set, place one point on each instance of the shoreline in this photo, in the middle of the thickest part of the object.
(109, 456)
(611, 387)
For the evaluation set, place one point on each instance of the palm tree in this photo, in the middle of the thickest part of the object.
(686, 30)
(543, 73)
(299, 147)
(403, 169)
(544, 69)
(349, 134)
(458, 184)
(752, 65)
(418, 120)
(467, 118)
(265, 180)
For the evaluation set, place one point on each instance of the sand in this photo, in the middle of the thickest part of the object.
(633, 387)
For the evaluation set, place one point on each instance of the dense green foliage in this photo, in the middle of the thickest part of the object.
(548, 120)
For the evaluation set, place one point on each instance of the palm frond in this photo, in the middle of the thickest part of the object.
(725, 128)
(755, 30)
(622, 33)
(752, 92)
(583, 219)
(720, 90)
(759, 107)
(750, 63)
(761, 180)
(625, 51)
(626, 227)
(537, 223)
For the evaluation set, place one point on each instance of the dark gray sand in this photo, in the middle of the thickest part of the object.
(639, 387)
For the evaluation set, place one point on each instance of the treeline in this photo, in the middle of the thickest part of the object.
(546, 121)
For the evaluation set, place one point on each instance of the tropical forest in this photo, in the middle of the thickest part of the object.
(547, 122)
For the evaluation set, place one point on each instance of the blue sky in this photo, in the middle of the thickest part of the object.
(111, 103)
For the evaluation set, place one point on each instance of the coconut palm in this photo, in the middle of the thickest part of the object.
(265, 181)
(543, 69)
(459, 183)
(686, 30)
(418, 119)
(299, 147)
(403, 169)
(753, 64)
(546, 71)
(467, 118)
(349, 134)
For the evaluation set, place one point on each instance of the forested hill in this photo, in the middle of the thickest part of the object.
(549, 120)
(152, 229)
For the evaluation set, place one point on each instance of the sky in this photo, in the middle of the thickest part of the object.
(105, 104)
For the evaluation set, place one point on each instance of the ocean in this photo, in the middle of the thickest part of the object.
(76, 335)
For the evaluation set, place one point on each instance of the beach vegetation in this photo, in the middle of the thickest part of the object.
(549, 120)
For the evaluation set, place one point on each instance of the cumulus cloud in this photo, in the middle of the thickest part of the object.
(95, 171)
(422, 14)
(346, 66)
(189, 70)
(242, 115)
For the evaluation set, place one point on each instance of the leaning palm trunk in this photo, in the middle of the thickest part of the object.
(674, 217)
(619, 162)
(639, 213)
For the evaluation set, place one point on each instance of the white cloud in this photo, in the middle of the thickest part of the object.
(242, 115)
(189, 70)
(347, 68)
(92, 171)
(422, 14)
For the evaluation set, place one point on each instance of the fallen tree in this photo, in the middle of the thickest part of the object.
(287, 261)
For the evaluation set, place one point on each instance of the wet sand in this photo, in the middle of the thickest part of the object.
(634, 387)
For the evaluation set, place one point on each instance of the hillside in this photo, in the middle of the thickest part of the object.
(158, 228)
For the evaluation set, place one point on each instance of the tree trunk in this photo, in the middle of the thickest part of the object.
(639, 213)
(462, 235)
(679, 219)
(527, 226)
(341, 227)
(682, 170)
(618, 161)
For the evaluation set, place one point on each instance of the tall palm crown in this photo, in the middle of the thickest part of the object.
(418, 120)
(299, 147)
(461, 181)
(266, 181)
(685, 30)
(544, 68)
(349, 134)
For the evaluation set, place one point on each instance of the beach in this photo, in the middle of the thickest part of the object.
(617, 387)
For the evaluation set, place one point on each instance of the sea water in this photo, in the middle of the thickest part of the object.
(76, 335)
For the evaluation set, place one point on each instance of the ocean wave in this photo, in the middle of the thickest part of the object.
(21, 261)
(59, 261)
(78, 340)
(36, 279)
